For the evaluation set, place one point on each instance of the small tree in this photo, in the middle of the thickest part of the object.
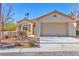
(0, 18)
(75, 11)
(7, 15)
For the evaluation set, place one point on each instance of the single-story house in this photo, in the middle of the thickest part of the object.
(55, 24)
(52, 24)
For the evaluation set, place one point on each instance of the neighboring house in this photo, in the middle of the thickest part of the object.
(25, 26)
(55, 24)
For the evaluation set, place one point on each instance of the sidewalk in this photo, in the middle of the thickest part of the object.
(38, 49)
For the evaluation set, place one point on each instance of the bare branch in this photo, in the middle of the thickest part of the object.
(7, 13)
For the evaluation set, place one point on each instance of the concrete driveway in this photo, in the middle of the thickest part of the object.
(59, 42)
(78, 36)
(60, 39)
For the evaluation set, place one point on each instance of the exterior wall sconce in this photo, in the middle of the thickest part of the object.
(54, 15)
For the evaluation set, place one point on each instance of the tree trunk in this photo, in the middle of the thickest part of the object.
(0, 20)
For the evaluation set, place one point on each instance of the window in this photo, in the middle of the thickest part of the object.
(24, 27)
(54, 15)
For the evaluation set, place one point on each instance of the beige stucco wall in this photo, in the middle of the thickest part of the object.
(37, 29)
(77, 29)
(59, 19)
(24, 22)
(50, 18)
(71, 29)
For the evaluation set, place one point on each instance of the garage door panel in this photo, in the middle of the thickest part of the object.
(54, 29)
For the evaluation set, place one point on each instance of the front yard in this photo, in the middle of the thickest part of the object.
(28, 42)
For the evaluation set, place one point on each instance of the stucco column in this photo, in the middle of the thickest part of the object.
(71, 29)
(37, 30)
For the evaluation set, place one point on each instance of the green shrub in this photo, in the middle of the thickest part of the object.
(31, 43)
(77, 32)
(10, 27)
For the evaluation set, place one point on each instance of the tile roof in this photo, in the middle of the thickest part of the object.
(55, 11)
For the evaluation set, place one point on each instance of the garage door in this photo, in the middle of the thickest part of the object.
(54, 29)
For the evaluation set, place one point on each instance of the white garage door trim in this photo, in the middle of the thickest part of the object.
(54, 29)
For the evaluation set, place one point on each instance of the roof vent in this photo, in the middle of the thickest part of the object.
(54, 15)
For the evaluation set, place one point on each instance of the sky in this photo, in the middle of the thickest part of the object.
(38, 9)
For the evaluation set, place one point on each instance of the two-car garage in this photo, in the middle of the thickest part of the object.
(55, 24)
(54, 29)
